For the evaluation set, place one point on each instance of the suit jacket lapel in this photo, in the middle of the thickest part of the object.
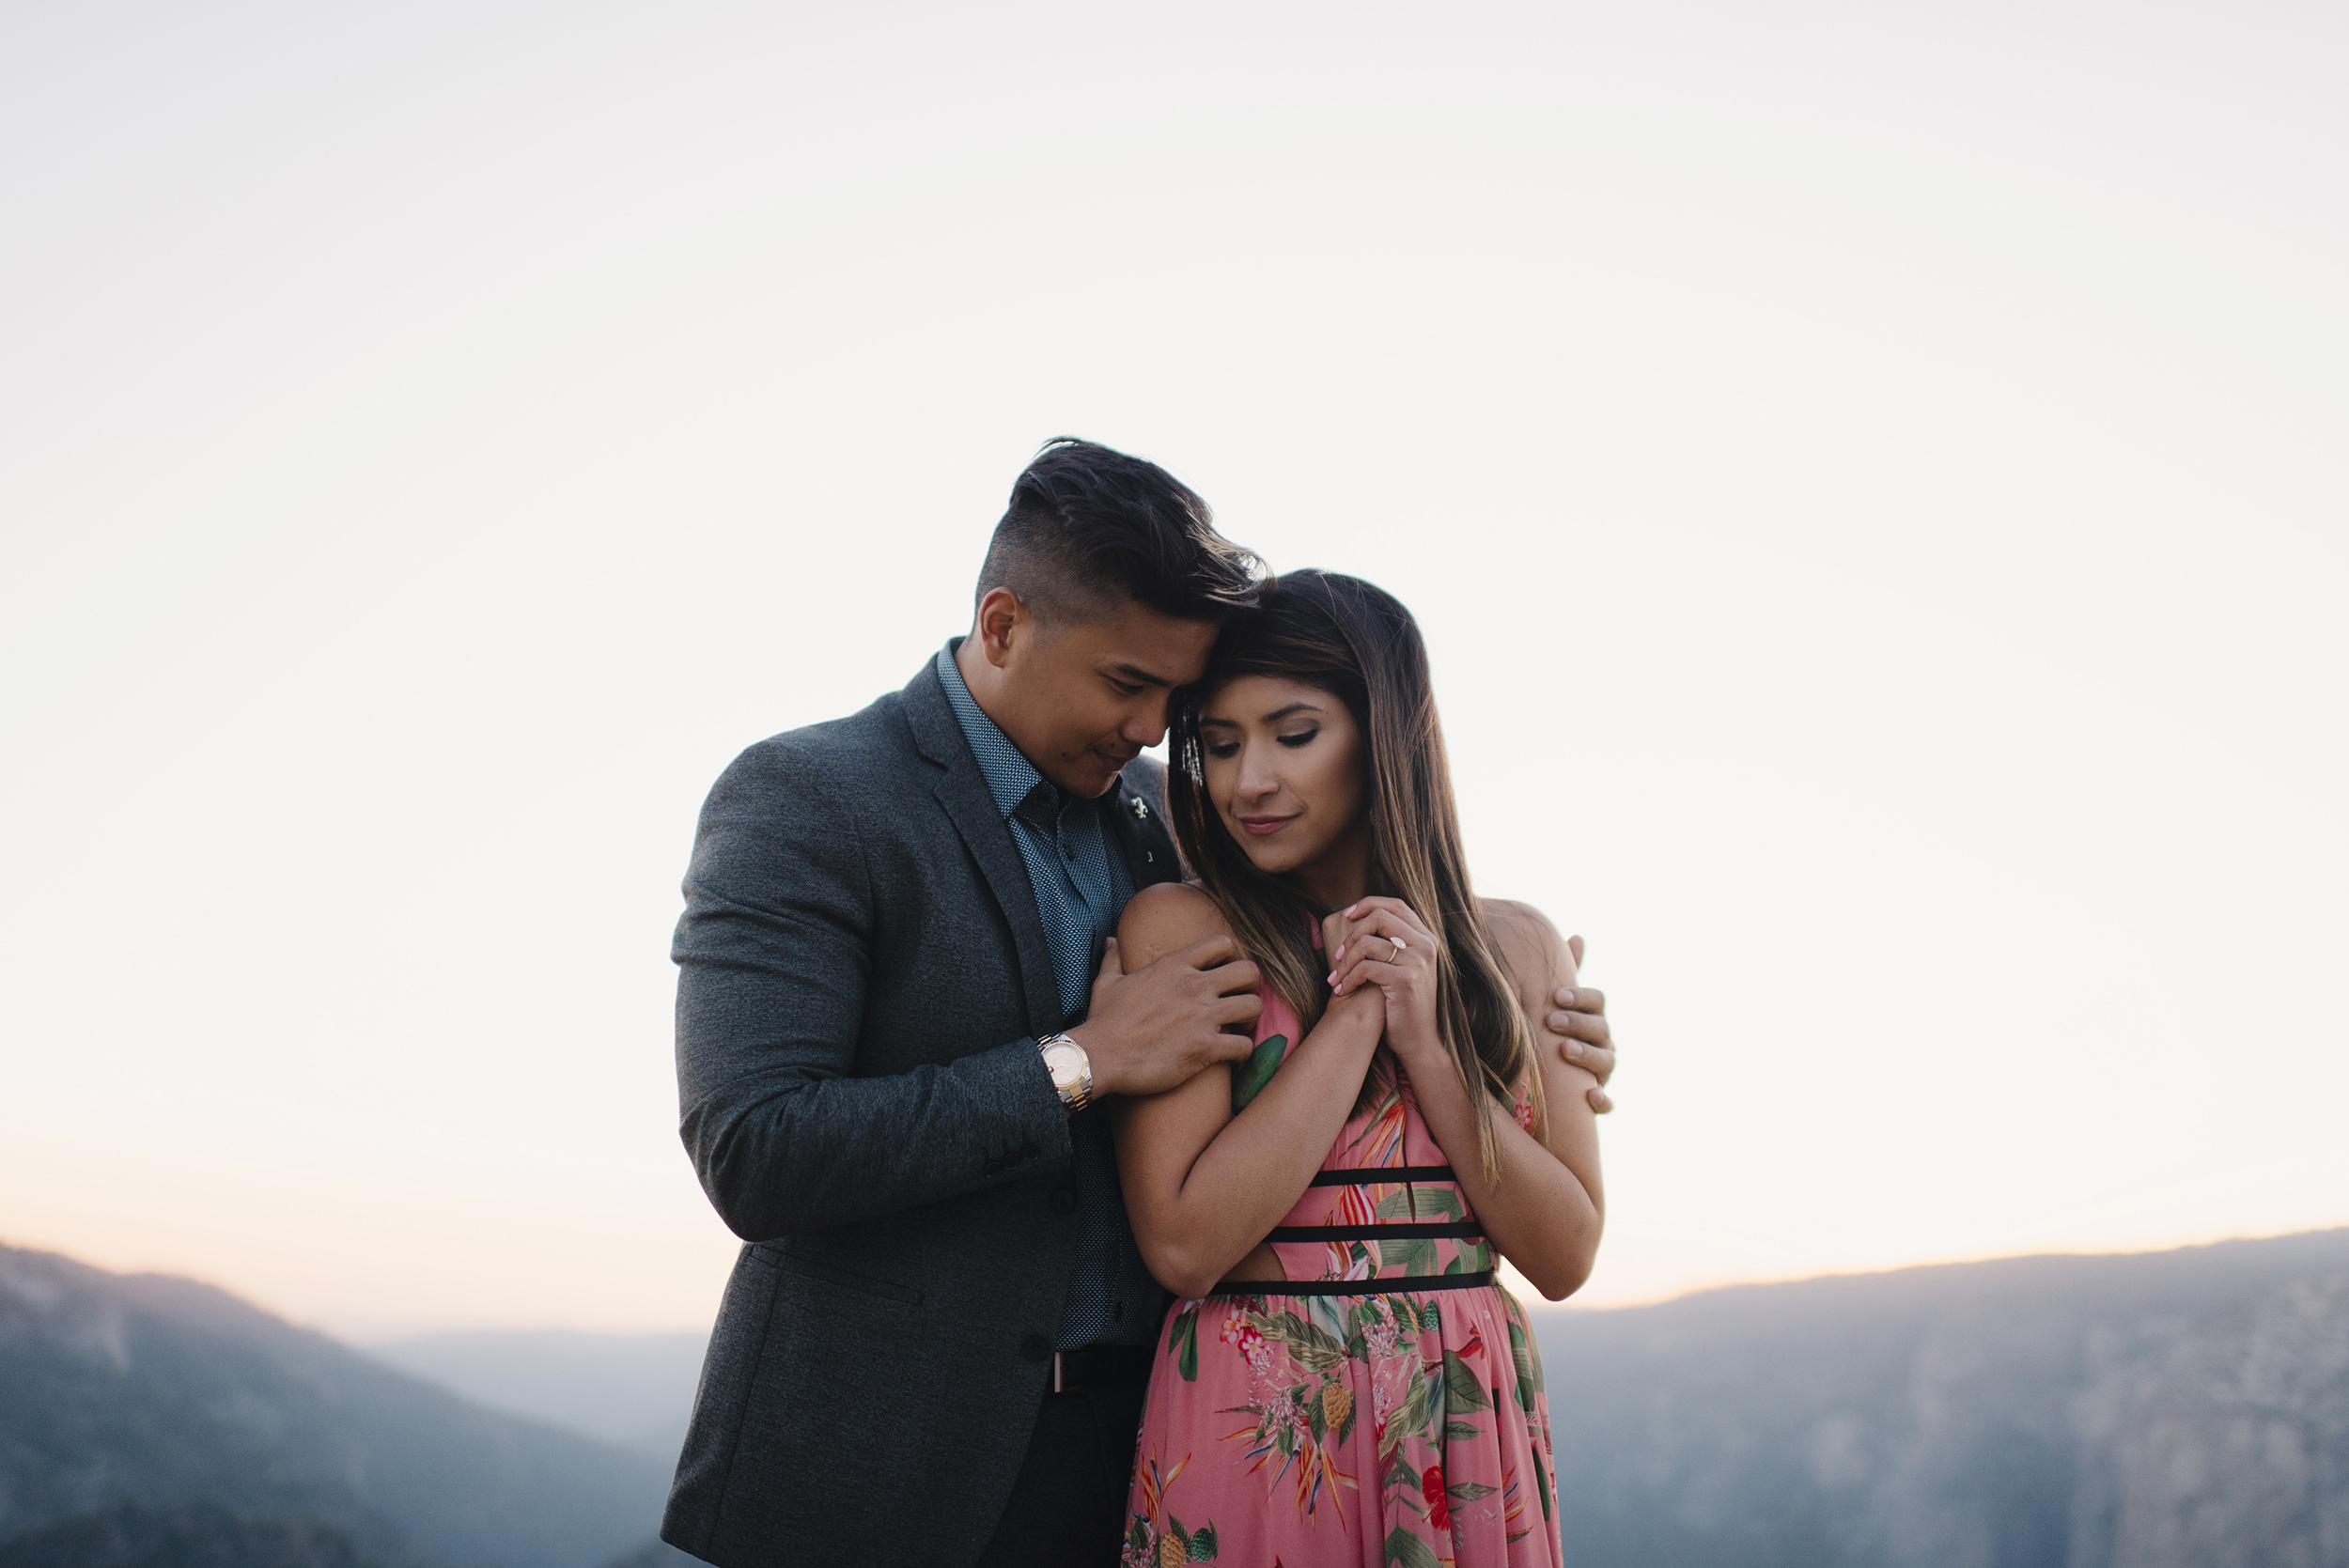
(962, 791)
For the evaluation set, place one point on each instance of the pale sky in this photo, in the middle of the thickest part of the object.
(1873, 478)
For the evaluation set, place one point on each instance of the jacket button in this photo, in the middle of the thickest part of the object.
(1064, 1200)
(1028, 1150)
(1035, 1347)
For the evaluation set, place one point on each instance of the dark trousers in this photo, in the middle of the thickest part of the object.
(1067, 1509)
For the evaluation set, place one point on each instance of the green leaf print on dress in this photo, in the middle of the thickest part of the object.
(1309, 1344)
(1520, 1352)
(1460, 1384)
(1409, 1550)
(1186, 1339)
(1250, 1077)
(1415, 1200)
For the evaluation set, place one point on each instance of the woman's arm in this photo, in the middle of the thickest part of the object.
(1203, 1186)
(1547, 1210)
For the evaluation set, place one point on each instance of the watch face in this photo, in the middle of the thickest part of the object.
(1066, 1066)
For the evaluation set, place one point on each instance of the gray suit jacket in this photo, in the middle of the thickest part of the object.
(862, 976)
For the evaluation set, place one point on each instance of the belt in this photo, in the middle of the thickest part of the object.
(1101, 1366)
(1381, 1175)
(1391, 1284)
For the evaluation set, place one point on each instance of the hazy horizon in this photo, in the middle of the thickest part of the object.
(377, 1336)
(1870, 480)
(365, 1338)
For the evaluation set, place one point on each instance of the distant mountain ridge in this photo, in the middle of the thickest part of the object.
(635, 1390)
(2183, 1409)
(189, 1535)
(158, 1392)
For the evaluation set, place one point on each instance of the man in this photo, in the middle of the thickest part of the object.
(898, 996)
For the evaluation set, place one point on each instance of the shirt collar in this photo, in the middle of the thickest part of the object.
(1011, 777)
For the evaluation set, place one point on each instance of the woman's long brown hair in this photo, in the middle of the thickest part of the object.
(1357, 642)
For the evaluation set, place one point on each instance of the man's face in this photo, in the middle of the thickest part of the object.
(1081, 699)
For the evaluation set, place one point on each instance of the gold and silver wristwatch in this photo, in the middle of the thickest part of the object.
(1071, 1070)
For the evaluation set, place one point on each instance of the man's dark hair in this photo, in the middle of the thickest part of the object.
(1089, 527)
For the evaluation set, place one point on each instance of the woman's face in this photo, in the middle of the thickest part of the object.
(1284, 770)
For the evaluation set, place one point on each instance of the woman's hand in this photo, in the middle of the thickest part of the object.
(1365, 1002)
(1379, 942)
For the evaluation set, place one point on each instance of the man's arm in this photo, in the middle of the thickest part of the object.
(775, 954)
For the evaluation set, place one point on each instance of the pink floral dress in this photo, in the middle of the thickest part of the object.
(1382, 1404)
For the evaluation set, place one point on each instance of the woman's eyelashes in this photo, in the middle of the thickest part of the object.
(1220, 749)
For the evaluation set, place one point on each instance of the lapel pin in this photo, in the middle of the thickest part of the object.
(1140, 807)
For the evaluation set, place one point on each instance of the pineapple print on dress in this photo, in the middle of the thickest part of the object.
(1156, 1539)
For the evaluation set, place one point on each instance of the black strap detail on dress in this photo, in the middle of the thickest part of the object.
(1400, 1284)
(1393, 1228)
(1371, 1175)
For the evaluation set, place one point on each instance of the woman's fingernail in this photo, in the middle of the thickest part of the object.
(1333, 977)
(1339, 956)
(1574, 1050)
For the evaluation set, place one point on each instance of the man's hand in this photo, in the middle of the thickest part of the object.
(1159, 1027)
(1581, 1018)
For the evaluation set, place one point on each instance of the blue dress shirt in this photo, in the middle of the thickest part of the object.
(1082, 884)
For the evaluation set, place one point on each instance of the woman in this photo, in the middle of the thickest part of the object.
(1341, 1380)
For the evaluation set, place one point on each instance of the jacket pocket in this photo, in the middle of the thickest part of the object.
(832, 1274)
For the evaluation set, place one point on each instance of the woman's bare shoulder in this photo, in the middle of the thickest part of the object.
(1161, 919)
(1528, 947)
